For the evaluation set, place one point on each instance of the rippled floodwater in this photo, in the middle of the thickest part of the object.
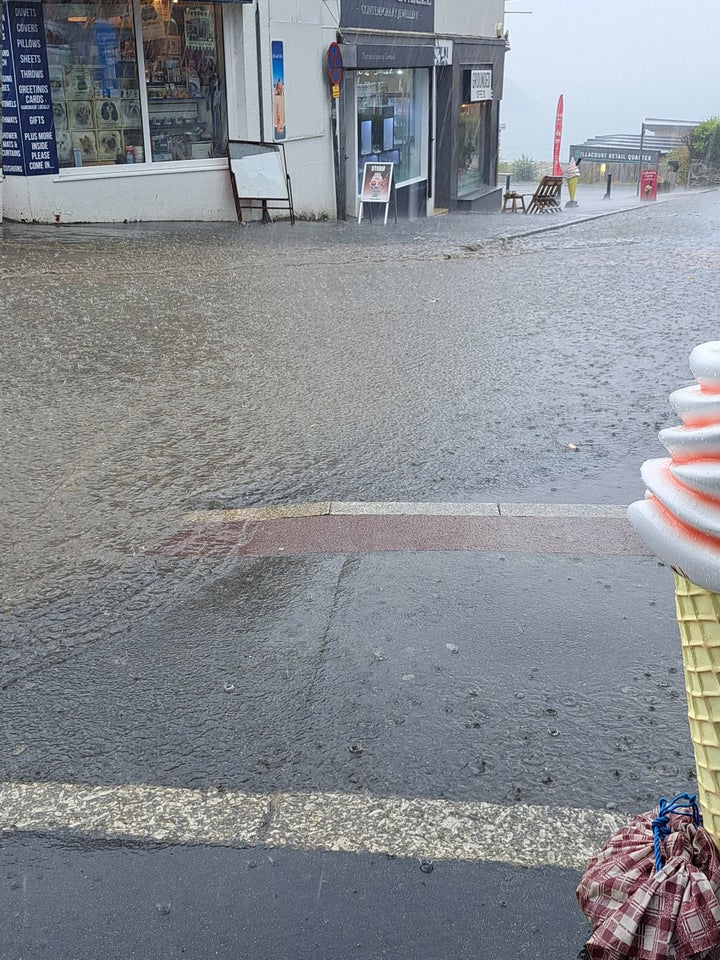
(149, 372)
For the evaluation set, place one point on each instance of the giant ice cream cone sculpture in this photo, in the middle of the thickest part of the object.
(572, 175)
(679, 519)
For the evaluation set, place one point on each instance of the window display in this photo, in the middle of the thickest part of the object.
(391, 105)
(471, 147)
(95, 81)
(182, 45)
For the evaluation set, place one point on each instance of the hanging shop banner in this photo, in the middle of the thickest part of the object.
(415, 15)
(557, 169)
(278, 82)
(28, 131)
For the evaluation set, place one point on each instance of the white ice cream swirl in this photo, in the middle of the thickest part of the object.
(572, 170)
(679, 519)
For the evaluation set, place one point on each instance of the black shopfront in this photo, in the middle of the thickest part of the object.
(407, 99)
(468, 124)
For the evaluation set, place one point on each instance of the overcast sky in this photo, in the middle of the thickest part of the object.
(616, 62)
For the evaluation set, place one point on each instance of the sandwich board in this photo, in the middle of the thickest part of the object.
(258, 172)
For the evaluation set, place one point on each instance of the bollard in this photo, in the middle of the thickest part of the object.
(608, 188)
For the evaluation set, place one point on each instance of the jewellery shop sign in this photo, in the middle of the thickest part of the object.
(28, 130)
(415, 15)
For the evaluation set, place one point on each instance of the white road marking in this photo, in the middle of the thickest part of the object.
(436, 829)
(325, 508)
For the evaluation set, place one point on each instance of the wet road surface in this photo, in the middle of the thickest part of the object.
(203, 368)
(139, 387)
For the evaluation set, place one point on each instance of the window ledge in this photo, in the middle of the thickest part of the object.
(476, 193)
(113, 171)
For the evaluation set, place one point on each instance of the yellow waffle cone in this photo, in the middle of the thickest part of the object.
(698, 615)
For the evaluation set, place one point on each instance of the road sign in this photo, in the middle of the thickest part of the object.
(334, 63)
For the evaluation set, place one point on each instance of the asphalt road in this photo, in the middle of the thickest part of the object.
(398, 746)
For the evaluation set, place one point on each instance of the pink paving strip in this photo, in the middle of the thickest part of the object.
(572, 536)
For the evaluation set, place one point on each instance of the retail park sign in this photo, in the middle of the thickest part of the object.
(612, 155)
(415, 15)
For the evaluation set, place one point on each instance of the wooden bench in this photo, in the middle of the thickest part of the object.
(513, 200)
(546, 197)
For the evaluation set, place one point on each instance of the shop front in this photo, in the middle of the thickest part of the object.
(468, 128)
(392, 120)
(114, 110)
(427, 103)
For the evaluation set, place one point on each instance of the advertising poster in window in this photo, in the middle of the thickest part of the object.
(28, 135)
(278, 82)
(152, 18)
(200, 28)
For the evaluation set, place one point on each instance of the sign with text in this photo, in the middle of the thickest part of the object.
(381, 56)
(377, 178)
(415, 15)
(480, 85)
(377, 187)
(28, 133)
(612, 155)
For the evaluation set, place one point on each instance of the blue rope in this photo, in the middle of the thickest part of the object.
(685, 805)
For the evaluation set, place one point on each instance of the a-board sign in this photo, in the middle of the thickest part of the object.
(258, 172)
(376, 183)
(378, 187)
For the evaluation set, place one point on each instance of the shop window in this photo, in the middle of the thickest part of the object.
(392, 106)
(94, 82)
(95, 78)
(471, 147)
(182, 46)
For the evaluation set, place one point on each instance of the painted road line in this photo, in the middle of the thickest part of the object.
(321, 508)
(442, 830)
(352, 534)
(146, 813)
(437, 829)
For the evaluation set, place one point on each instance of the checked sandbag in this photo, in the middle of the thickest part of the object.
(653, 891)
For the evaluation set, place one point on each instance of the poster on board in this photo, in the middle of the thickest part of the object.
(278, 82)
(376, 182)
(377, 187)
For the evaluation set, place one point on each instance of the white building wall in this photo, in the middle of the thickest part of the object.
(201, 190)
(198, 190)
(468, 18)
(306, 28)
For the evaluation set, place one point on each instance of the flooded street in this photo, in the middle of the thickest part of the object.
(155, 372)
(190, 692)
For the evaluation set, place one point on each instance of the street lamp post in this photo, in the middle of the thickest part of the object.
(642, 141)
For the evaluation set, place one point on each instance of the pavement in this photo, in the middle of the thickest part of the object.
(339, 729)
(459, 233)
